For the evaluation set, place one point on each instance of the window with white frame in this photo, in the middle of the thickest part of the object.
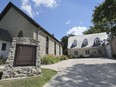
(97, 40)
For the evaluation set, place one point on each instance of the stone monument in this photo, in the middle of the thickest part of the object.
(23, 60)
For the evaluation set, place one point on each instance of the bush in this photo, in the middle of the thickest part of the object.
(2, 60)
(63, 57)
(51, 59)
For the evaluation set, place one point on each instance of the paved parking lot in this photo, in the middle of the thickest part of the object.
(90, 72)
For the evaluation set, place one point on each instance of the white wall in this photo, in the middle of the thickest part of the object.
(108, 51)
(113, 46)
(4, 53)
(93, 52)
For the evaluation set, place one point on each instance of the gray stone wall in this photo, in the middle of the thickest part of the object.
(57, 49)
(42, 38)
(51, 46)
(21, 71)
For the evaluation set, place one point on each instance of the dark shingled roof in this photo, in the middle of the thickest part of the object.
(4, 35)
(10, 4)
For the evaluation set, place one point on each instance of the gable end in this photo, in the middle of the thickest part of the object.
(10, 4)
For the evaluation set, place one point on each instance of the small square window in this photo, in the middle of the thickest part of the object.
(3, 47)
(87, 52)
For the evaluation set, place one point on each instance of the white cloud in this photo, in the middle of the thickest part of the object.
(46, 3)
(68, 22)
(26, 6)
(77, 30)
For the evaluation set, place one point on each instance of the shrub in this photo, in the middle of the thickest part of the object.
(63, 57)
(51, 59)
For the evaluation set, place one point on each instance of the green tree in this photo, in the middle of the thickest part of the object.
(64, 41)
(104, 16)
(93, 30)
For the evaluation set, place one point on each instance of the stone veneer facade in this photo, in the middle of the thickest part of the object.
(22, 71)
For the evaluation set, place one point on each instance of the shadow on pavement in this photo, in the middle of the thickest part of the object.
(82, 75)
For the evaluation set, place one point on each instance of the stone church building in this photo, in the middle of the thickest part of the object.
(15, 23)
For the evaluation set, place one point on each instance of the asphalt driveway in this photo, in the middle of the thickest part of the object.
(90, 72)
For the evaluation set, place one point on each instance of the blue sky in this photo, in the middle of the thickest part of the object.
(59, 17)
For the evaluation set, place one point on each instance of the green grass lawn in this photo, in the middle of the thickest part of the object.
(39, 81)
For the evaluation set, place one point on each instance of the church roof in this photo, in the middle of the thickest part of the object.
(90, 38)
(4, 35)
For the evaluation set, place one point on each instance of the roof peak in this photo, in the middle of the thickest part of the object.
(33, 22)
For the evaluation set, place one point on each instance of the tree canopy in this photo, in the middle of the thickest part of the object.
(64, 42)
(93, 30)
(104, 16)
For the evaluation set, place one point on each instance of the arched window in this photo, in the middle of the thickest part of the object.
(85, 43)
(97, 40)
(74, 44)
(20, 34)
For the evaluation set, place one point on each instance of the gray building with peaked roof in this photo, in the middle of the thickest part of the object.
(92, 45)
(18, 24)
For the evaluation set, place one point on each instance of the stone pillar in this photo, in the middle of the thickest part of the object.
(12, 71)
